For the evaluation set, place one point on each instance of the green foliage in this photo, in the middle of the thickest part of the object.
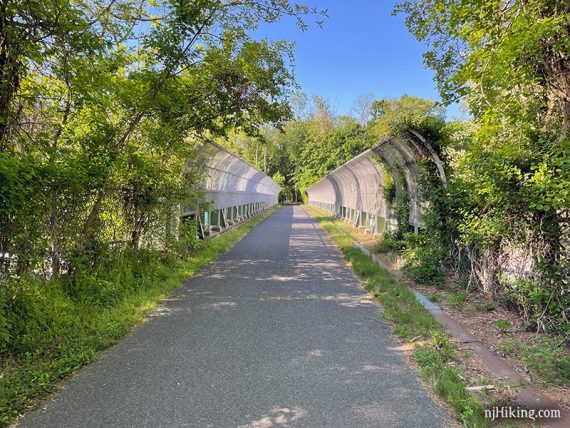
(456, 299)
(434, 298)
(425, 254)
(5, 326)
(545, 357)
(422, 260)
(186, 241)
(96, 150)
(329, 142)
(508, 347)
(391, 117)
(389, 244)
(502, 324)
(536, 299)
(449, 385)
(507, 191)
(104, 107)
(549, 358)
(317, 141)
(484, 307)
(50, 328)
(443, 345)
(401, 209)
(389, 190)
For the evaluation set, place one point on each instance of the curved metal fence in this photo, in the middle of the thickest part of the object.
(233, 182)
(234, 189)
(355, 191)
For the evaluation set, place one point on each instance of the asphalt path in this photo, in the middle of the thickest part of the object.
(276, 332)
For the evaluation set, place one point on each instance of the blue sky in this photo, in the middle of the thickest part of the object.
(361, 49)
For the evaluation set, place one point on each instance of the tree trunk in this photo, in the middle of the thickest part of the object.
(55, 253)
(8, 78)
(85, 235)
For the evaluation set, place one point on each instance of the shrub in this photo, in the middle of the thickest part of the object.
(4, 325)
(540, 302)
(484, 307)
(389, 189)
(423, 260)
(389, 244)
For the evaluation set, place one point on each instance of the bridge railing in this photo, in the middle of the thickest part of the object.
(234, 191)
(356, 191)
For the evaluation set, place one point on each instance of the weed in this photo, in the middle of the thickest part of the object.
(502, 324)
(444, 346)
(456, 299)
(434, 298)
(546, 357)
(389, 244)
(448, 384)
(484, 307)
(508, 347)
(549, 358)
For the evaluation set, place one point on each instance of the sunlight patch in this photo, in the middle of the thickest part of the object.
(276, 417)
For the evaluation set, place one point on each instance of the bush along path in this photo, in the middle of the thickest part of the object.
(439, 352)
(55, 332)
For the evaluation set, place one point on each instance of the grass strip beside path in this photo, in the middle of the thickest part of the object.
(434, 352)
(59, 332)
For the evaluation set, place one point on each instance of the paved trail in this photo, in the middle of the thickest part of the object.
(275, 333)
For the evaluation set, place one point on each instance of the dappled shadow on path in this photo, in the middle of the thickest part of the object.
(277, 416)
(287, 255)
(277, 332)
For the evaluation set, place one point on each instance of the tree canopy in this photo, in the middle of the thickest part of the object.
(103, 103)
(508, 61)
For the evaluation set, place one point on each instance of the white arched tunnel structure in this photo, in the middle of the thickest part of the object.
(355, 190)
(234, 189)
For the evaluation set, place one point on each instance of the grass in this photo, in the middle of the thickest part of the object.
(549, 358)
(546, 358)
(56, 327)
(456, 299)
(434, 298)
(434, 353)
(508, 347)
(502, 324)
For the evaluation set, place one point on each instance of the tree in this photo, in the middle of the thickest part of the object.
(362, 108)
(103, 103)
(389, 117)
(509, 62)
